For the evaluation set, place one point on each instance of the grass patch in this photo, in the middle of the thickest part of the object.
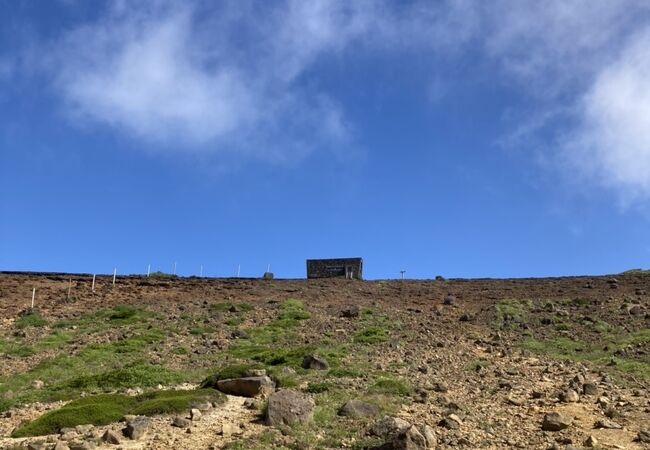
(136, 375)
(391, 386)
(371, 335)
(511, 310)
(343, 372)
(32, 318)
(108, 408)
(602, 350)
(477, 364)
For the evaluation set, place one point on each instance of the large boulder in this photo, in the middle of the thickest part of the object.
(247, 386)
(287, 407)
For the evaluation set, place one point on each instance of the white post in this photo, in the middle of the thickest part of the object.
(33, 296)
(114, 274)
(148, 269)
(69, 288)
(268, 268)
(201, 271)
(174, 268)
(93, 282)
(238, 270)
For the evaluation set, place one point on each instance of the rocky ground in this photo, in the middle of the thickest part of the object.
(494, 364)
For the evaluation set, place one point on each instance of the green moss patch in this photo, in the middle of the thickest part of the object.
(108, 408)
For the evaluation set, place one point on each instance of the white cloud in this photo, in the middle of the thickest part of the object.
(160, 74)
(612, 143)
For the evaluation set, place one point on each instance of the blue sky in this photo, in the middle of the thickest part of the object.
(507, 138)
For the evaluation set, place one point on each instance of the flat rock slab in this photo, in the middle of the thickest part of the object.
(246, 387)
(357, 408)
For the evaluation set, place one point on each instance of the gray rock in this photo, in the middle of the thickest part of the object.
(357, 408)
(556, 422)
(181, 422)
(591, 441)
(351, 311)
(590, 389)
(195, 414)
(314, 362)
(389, 426)
(137, 427)
(569, 396)
(608, 424)
(247, 386)
(643, 436)
(61, 446)
(449, 300)
(451, 422)
(111, 437)
(288, 407)
(429, 436)
(411, 439)
(251, 403)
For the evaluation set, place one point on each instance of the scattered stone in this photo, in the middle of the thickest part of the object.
(429, 436)
(229, 429)
(569, 396)
(195, 414)
(288, 407)
(607, 424)
(556, 422)
(181, 422)
(38, 384)
(449, 300)
(314, 362)
(86, 445)
(137, 427)
(389, 426)
(451, 422)
(351, 311)
(252, 404)
(239, 334)
(643, 436)
(635, 310)
(357, 408)
(111, 437)
(411, 439)
(247, 386)
(61, 446)
(591, 441)
(590, 389)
